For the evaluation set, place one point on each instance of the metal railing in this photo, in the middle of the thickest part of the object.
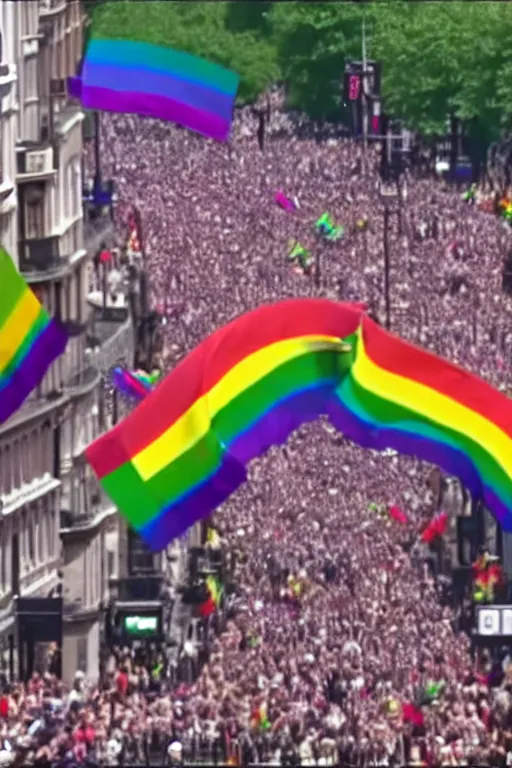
(83, 379)
(98, 500)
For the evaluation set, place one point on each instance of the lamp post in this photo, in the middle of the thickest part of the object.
(388, 194)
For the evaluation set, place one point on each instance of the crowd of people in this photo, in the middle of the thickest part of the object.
(338, 648)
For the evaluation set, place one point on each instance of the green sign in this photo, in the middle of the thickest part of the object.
(141, 625)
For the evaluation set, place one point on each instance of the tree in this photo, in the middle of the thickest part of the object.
(438, 59)
(444, 58)
(212, 30)
(313, 40)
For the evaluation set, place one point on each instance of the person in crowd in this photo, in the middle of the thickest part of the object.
(337, 648)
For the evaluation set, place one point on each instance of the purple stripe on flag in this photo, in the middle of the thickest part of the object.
(47, 347)
(75, 87)
(106, 100)
(173, 522)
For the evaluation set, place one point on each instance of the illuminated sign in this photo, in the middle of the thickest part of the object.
(354, 87)
(141, 625)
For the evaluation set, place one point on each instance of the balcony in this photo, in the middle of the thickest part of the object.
(74, 521)
(114, 342)
(41, 255)
(35, 161)
(83, 381)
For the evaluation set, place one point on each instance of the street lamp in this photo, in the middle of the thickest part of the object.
(389, 193)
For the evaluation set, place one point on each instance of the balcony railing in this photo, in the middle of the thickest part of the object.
(116, 344)
(40, 254)
(74, 519)
(35, 160)
(83, 379)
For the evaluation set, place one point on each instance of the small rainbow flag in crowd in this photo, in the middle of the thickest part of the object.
(212, 602)
(156, 81)
(326, 227)
(135, 384)
(30, 340)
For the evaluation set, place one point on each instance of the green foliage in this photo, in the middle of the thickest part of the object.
(215, 30)
(437, 58)
(442, 58)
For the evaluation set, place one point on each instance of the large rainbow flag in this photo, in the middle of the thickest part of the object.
(155, 81)
(29, 339)
(185, 448)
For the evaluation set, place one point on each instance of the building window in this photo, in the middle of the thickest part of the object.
(46, 438)
(26, 476)
(23, 538)
(6, 468)
(16, 464)
(34, 212)
(140, 559)
(43, 535)
(81, 654)
(41, 554)
(3, 568)
(87, 559)
(50, 532)
(31, 550)
(37, 453)
(79, 298)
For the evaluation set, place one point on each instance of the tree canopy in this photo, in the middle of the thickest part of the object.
(437, 58)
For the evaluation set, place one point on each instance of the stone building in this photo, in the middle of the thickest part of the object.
(55, 524)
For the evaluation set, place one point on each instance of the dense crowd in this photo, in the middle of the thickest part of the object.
(338, 647)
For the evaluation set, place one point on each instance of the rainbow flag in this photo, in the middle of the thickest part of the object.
(29, 339)
(134, 384)
(156, 81)
(185, 448)
(401, 397)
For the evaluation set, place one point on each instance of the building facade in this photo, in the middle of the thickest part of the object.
(55, 524)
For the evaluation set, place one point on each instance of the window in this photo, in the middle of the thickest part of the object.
(34, 212)
(81, 654)
(5, 470)
(23, 537)
(79, 298)
(41, 530)
(37, 453)
(3, 568)
(50, 532)
(111, 564)
(140, 558)
(86, 561)
(31, 550)
(26, 475)
(16, 464)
